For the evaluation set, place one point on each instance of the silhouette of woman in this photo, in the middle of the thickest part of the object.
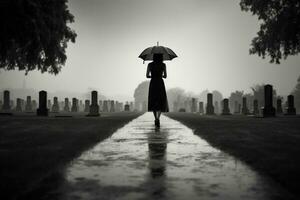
(157, 97)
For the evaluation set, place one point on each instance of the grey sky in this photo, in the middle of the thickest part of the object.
(211, 38)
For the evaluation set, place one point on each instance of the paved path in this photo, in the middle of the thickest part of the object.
(140, 162)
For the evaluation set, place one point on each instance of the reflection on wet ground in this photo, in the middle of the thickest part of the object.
(141, 162)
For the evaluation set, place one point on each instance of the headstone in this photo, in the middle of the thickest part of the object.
(209, 106)
(268, 110)
(279, 106)
(194, 105)
(67, 106)
(201, 107)
(290, 110)
(94, 107)
(19, 105)
(87, 106)
(28, 106)
(255, 107)
(74, 107)
(112, 106)
(6, 101)
(34, 105)
(245, 109)
(127, 107)
(55, 107)
(226, 110)
(42, 110)
(105, 106)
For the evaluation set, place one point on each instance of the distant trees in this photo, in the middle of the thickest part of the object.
(141, 92)
(34, 34)
(279, 34)
(296, 93)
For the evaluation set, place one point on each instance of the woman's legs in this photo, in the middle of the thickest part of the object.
(154, 113)
(158, 114)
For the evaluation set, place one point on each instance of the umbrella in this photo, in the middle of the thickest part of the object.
(148, 53)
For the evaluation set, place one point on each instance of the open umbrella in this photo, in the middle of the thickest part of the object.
(148, 53)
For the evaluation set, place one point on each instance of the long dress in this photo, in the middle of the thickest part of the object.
(157, 97)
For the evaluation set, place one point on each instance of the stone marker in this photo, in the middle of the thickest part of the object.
(290, 110)
(268, 110)
(28, 106)
(49, 104)
(127, 107)
(6, 101)
(42, 110)
(94, 107)
(74, 107)
(209, 106)
(279, 106)
(55, 107)
(226, 110)
(67, 106)
(87, 106)
(19, 105)
(255, 107)
(194, 105)
(245, 109)
(112, 106)
(201, 107)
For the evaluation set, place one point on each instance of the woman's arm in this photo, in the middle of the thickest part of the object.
(165, 71)
(148, 72)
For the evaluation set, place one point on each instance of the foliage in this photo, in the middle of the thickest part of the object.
(34, 34)
(141, 92)
(296, 93)
(279, 34)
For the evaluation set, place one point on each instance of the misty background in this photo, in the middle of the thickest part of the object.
(211, 39)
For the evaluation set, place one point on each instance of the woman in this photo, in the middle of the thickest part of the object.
(157, 97)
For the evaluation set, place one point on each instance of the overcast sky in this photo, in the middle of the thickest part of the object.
(211, 38)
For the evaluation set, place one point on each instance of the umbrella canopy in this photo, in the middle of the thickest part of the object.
(148, 53)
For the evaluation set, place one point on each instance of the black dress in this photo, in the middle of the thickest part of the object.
(157, 97)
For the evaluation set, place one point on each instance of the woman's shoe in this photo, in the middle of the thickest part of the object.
(158, 123)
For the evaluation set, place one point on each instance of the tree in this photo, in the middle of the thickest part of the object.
(34, 34)
(141, 92)
(296, 93)
(235, 96)
(279, 34)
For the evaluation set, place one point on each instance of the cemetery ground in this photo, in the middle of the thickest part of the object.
(268, 145)
(34, 149)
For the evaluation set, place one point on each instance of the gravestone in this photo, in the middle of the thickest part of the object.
(112, 106)
(94, 107)
(87, 106)
(74, 107)
(34, 105)
(28, 106)
(105, 106)
(42, 110)
(67, 106)
(279, 106)
(127, 107)
(290, 110)
(55, 107)
(6, 101)
(268, 110)
(49, 104)
(226, 110)
(194, 105)
(245, 109)
(19, 105)
(255, 107)
(201, 107)
(209, 106)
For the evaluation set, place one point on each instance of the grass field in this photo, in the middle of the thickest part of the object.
(269, 145)
(32, 149)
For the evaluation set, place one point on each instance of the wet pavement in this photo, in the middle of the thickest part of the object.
(142, 162)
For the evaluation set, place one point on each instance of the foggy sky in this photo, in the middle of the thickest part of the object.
(211, 38)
